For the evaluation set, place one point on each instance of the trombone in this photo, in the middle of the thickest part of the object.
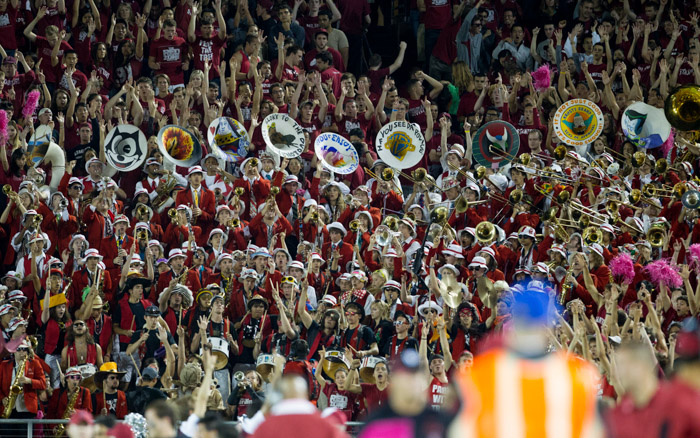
(462, 205)
(551, 216)
(561, 198)
(651, 191)
(418, 176)
(386, 177)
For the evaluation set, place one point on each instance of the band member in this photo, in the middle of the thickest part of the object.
(178, 270)
(115, 248)
(401, 340)
(54, 323)
(173, 303)
(70, 398)
(29, 381)
(86, 276)
(358, 337)
(129, 316)
(80, 347)
(109, 399)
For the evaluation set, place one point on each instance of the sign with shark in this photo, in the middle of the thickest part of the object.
(578, 122)
(495, 144)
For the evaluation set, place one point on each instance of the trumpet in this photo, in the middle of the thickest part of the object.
(273, 192)
(37, 220)
(314, 215)
(234, 223)
(141, 211)
(254, 162)
(172, 214)
(354, 225)
(392, 223)
(239, 377)
(142, 235)
(7, 189)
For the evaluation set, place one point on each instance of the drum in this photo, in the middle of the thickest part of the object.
(87, 371)
(265, 365)
(220, 349)
(367, 368)
(335, 360)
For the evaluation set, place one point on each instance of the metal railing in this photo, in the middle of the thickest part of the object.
(30, 424)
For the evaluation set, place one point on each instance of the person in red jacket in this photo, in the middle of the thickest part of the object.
(336, 248)
(176, 260)
(201, 200)
(268, 223)
(85, 276)
(255, 188)
(110, 399)
(115, 248)
(31, 381)
(58, 404)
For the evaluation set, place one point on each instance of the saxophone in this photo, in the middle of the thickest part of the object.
(15, 390)
(61, 428)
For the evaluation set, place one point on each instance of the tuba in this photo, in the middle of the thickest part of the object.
(682, 108)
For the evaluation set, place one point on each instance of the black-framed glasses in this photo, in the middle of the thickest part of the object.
(23, 349)
(79, 324)
(74, 377)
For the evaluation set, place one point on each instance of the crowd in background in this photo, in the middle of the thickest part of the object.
(229, 288)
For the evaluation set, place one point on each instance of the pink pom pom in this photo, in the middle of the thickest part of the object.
(3, 125)
(668, 144)
(694, 259)
(622, 267)
(542, 78)
(661, 271)
(30, 106)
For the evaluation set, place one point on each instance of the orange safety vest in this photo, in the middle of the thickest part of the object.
(507, 396)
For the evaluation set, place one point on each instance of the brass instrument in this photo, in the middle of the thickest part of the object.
(16, 389)
(691, 199)
(234, 223)
(559, 231)
(239, 377)
(560, 152)
(37, 220)
(314, 215)
(615, 153)
(485, 232)
(254, 162)
(655, 236)
(387, 174)
(462, 205)
(141, 211)
(678, 190)
(273, 192)
(163, 192)
(7, 189)
(380, 178)
(661, 166)
(392, 223)
(354, 225)
(565, 288)
(172, 214)
(182, 278)
(60, 430)
(418, 176)
(638, 159)
(682, 108)
(592, 235)
(142, 235)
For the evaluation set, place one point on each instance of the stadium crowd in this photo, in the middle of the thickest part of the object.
(276, 285)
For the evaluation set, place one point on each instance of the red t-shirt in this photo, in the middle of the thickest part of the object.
(208, 50)
(310, 59)
(170, 55)
(8, 23)
(344, 401)
(43, 51)
(289, 73)
(438, 14)
(436, 393)
(335, 75)
(376, 78)
(52, 18)
(347, 124)
(374, 398)
(417, 113)
(353, 15)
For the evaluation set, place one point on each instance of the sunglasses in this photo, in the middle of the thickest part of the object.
(398, 323)
(23, 349)
(112, 378)
(74, 377)
(350, 313)
(289, 279)
(79, 324)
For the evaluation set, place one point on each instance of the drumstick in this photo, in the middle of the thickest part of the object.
(179, 322)
(133, 320)
(135, 366)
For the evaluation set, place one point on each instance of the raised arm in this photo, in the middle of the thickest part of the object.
(28, 31)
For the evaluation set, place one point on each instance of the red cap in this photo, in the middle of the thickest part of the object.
(81, 418)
